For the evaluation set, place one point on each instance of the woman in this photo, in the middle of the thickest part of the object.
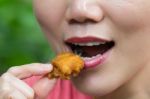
(112, 36)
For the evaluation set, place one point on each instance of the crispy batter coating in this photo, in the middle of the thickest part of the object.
(65, 65)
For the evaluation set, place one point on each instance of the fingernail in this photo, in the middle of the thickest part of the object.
(47, 67)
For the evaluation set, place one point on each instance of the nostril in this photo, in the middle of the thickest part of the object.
(73, 21)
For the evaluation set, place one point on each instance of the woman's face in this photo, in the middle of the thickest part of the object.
(122, 25)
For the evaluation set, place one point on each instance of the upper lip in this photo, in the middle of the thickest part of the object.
(85, 39)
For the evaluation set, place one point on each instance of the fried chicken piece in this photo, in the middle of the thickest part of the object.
(65, 65)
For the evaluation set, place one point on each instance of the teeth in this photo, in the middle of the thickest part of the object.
(88, 58)
(89, 44)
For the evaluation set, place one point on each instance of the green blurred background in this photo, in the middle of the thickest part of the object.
(21, 40)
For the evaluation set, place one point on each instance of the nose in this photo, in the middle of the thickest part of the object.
(80, 11)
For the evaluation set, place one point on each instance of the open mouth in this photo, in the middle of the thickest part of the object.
(91, 49)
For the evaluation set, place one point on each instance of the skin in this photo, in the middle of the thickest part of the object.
(124, 74)
(12, 85)
(124, 21)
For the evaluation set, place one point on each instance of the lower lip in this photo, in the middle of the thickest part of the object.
(95, 61)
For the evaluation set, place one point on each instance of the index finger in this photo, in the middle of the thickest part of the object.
(29, 70)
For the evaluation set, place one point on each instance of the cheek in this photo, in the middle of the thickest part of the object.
(127, 14)
(50, 12)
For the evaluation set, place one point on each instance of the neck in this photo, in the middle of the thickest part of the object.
(137, 88)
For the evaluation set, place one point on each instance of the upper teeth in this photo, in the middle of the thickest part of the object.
(89, 43)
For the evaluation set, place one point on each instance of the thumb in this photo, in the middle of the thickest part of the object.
(43, 87)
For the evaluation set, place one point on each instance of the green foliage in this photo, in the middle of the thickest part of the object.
(21, 40)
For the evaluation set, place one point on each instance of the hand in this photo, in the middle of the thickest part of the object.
(13, 87)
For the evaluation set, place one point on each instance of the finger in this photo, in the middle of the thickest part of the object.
(28, 70)
(8, 92)
(5, 89)
(19, 85)
(43, 87)
(16, 95)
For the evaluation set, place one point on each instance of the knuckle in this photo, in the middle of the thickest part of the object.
(4, 77)
(4, 83)
(10, 97)
(5, 88)
(30, 96)
(12, 69)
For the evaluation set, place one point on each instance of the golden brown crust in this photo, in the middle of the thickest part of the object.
(65, 65)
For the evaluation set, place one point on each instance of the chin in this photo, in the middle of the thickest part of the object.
(96, 91)
(96, 86)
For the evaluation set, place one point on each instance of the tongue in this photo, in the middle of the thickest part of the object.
(89, 51)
